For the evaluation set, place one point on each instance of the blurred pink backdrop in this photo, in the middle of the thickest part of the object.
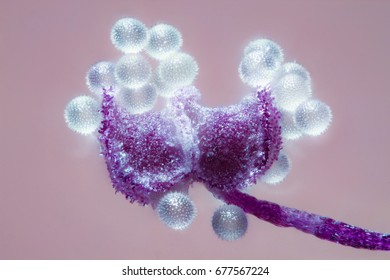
(56, 198)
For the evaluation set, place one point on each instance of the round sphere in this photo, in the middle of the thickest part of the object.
(229, 222)
(163, 89)
(257, 68)
(290, 129)
(82, 115)
(313, 117)
(290, 91)
(179, 70)
(270, 49)
(164, 40)
(137, 101)
(176, 210)
(100, 75)
(295, 68)
(133, 71)
(129, 35)
(278, 170)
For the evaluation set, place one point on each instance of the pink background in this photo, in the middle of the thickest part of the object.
(56, 201)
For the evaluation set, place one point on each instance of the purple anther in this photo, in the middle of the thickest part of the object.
(238, 143)
(142, 152)
(226, 148)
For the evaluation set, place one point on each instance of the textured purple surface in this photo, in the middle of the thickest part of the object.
(238, 143)
(142, 152)
(225, 148)
(319, 226)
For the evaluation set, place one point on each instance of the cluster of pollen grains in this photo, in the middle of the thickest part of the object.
(154, 156)
(262, 66)
(135, 84)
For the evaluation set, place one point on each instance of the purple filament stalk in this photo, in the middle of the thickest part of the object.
(319, 226)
